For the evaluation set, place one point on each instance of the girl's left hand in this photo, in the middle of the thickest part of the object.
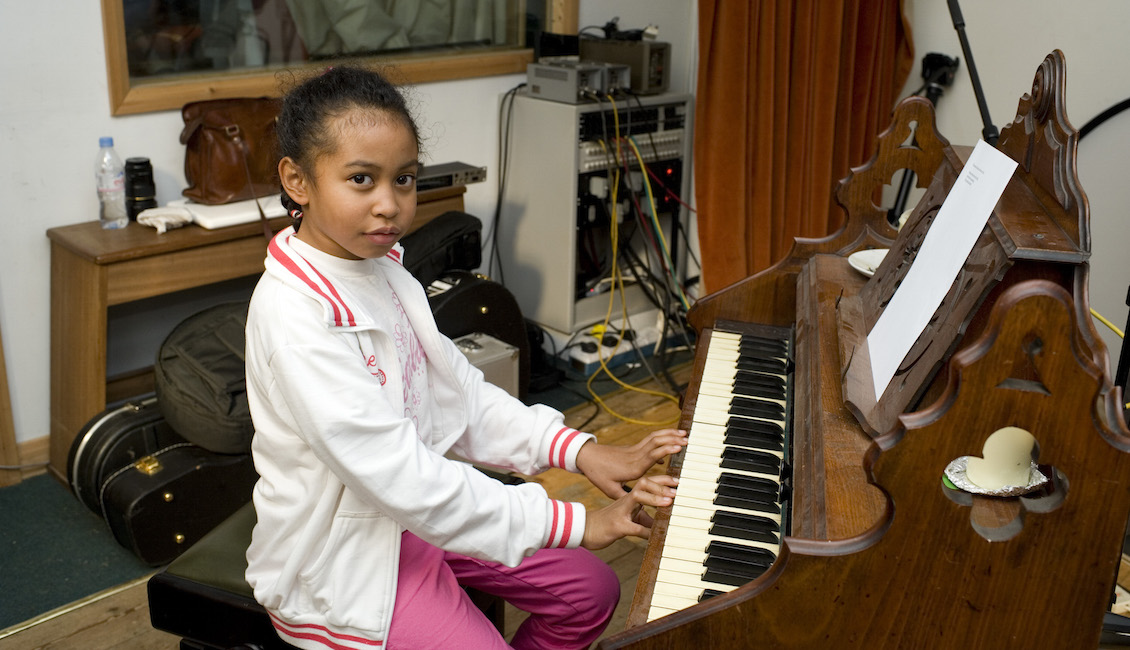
(626, 515)
(610, 466)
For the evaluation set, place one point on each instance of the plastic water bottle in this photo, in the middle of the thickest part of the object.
(110, 178)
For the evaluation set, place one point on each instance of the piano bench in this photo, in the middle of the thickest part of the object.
(203, 597)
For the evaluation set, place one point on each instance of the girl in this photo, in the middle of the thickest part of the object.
(366, 531)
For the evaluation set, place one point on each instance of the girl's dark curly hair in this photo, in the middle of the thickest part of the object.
(308, 109)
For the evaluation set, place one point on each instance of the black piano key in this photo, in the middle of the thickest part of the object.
(750, 461)
(756, 408)
(771, 388)
(734, 568)
(741, 498)
(755, 484)
(747, 441)
(737, 525)
(721, 576)
(730, 499)
(735, 551)
(770, 429)
(764, 343)
(755, 347)
(739, 436)
(707, 594)
(756, 350)
(768, 381)
(776, 366)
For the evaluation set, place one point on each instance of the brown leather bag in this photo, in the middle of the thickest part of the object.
(230, 149)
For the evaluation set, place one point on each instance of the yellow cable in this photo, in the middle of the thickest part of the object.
(618, 284)
(664, 247)
(1104, 321)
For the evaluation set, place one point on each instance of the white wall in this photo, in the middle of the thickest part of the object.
(1009, 39)
(54, 107)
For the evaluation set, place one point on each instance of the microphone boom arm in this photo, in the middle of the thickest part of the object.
(989, 132)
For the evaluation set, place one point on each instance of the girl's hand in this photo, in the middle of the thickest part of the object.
(610, 466)
(623, 516)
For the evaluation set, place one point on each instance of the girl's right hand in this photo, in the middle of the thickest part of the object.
(622, 517)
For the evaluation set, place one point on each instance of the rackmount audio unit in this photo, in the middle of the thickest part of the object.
(650, 61)
(574, 82)
(555, 219)
(448, 175)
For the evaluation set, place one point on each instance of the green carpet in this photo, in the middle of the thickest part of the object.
(55, 551)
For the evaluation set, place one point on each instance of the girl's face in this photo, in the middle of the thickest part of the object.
(360, 198)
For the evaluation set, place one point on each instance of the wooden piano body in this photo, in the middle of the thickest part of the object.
(881, 554)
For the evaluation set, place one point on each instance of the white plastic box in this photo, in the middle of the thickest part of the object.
(497, 360)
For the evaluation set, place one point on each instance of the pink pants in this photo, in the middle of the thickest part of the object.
(570, 594)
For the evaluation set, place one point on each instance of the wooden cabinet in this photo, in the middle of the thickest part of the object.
(93, 269)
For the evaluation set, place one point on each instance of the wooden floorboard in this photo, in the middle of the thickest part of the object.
(118, 618)
(625, 556)
(115, 619)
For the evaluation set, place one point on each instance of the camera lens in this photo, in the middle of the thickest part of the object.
(141, 193)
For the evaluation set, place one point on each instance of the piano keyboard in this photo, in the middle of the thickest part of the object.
(730, 508)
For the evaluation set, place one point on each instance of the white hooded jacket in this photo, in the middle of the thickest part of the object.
(344, 472)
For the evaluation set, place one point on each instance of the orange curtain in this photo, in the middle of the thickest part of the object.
(789, 98)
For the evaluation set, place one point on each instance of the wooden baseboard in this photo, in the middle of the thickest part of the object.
(31, 458)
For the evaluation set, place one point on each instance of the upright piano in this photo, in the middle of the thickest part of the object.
(813, 513)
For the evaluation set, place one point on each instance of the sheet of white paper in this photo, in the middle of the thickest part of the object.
(948, 243)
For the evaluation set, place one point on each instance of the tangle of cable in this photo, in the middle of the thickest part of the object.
(618, 286)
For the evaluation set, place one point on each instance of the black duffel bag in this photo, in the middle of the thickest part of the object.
(450, 242)
(201, 382)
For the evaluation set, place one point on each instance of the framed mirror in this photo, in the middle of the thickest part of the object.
(162, 54)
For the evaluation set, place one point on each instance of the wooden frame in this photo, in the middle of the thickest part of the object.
(127, 98)
(9, 452)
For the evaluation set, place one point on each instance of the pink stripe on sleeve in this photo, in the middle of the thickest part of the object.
(567, 531)
(565, 447)
(553, 526)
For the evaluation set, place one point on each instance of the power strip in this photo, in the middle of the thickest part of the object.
(589, 362)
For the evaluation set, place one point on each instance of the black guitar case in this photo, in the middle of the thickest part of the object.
(156, 491)
(464, 303)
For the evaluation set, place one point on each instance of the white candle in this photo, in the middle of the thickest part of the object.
(1006, 460)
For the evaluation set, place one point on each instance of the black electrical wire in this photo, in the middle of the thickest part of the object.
(1097, 120)
(1123, 367)
(506, 109)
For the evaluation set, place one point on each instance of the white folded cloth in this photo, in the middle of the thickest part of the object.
(164, 218)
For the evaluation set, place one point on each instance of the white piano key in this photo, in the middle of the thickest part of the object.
(681, 569)
(720, 397)
(684, 514)
(710, 459)
(665, 584)
(679, 582)
(703, 471)
(677, 591)
(660, 612)
(721, 418)
(705, 508)
(709, 445)
(668, 602)
(689, 537)
(723, 403)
